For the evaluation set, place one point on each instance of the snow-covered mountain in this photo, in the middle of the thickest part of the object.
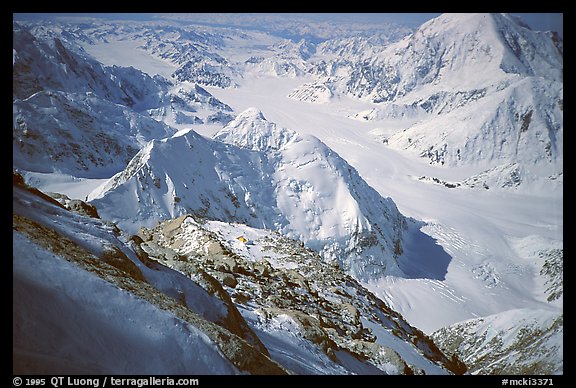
(74, 115)
(51, 60)
(496, 66)
(457, 51)
(262, 175)
(515, 342)
(483, 89)
(78, 133)
(49, 64)
(191, 50)
(459, 124)
(285, 59)
(107, 292)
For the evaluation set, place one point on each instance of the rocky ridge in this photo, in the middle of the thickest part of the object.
(330, 308)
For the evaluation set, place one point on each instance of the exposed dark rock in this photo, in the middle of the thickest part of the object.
(315, 295)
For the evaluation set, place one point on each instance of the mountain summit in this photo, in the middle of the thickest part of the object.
(262, 175)
(251, 130)
(479, 89)
(451, 52)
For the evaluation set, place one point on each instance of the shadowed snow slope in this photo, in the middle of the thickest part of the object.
(82, 290)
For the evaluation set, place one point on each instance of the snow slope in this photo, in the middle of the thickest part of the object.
(523, 123)
(525, 342)
(264, 176)
(81, 289)
(67, 320)
(78, 134)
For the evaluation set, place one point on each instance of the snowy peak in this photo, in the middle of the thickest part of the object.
(251, 130)
(482, 89)
(451, 54)
(485, 40)
(147, 170)
(263, 176)
(535, 53)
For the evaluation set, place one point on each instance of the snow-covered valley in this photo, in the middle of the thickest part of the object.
(477, 228)
(433, 180)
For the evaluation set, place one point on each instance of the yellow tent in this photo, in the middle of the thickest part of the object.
(242, 238)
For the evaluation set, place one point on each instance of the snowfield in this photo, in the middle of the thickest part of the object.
(145, 341)
(428, 166)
